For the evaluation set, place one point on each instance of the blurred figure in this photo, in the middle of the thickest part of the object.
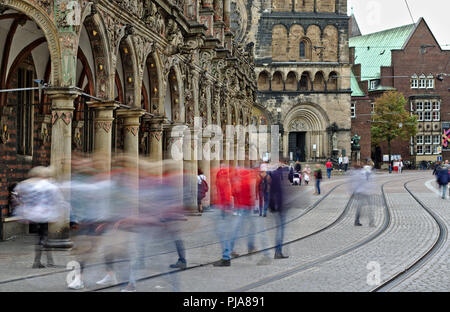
(400, 166)
(298, 167)
(340, 162)
(277, 206)
(41, 202)
(243, 185)
(89, 201)
(202, 189)
(307, 174)
(443, 178)
(345, 162)
(263, 190)
(362, 182)
(224, 222)
(318, 176)
(329, 166)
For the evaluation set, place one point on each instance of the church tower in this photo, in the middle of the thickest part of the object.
(303, 71)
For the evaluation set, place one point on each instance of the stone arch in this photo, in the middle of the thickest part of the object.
(319, 82)
(152, 84)
(277, 81)
(48, 27)
(312, 120)
(326, 6)
(291, 81)
(296, 33)
(279, 43)
(332, 83)
(314, 34)
(305, 83)
(173, 105)
(264, 81)
(330, 42)
(129, 73)
(101, 53)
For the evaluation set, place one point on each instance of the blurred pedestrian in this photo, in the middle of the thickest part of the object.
(318, 176)
(329, 166)
(307, 174)
(277, 206)
(345, 162)
(340, 162)
(202, 189)
(40, 202)
(443, 178)
(362, 183)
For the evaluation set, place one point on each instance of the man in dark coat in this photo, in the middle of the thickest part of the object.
(443, 178)
(277, 206)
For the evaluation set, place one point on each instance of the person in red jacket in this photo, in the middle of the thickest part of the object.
(223, 201)
(329, 166)
(244, 181)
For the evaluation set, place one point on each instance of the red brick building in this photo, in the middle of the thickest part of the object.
(410, 60)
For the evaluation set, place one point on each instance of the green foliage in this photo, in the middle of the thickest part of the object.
(391, 120)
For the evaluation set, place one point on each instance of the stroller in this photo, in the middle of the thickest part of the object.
(297, 179)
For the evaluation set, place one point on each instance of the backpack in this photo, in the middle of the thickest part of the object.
(205, 187)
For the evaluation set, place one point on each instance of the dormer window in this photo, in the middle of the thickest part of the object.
(414, 81)
(374, 84)
(430, 82)
(422, 82)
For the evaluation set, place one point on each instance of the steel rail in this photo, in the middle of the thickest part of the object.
(427, 256)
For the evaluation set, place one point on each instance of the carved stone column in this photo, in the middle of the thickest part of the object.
(156, 141)
(103, 129)
(61, 157)
(131, 127)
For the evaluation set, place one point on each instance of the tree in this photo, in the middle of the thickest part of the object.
(391, 120)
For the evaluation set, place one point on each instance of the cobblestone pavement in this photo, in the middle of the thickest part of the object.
(433, 275)
(410, 232)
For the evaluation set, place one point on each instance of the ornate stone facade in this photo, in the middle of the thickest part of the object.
(162, 62)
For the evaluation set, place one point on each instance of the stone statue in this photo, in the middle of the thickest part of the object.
(334, 142)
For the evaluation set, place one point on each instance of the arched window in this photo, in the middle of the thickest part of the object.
(263, 82)
(302, 49)
(291, 82)
(277, 82)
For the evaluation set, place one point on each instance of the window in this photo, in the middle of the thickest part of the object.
(419, 106)
(428, 139)
(412, 149)
(422, 82)
(430, 82)
(419, 149)
(24, 113)
(436, 116)
(353, 110)
(427, 106)
(419, 139)
(427, 116)
(302, 49)
(414, 81)
(437, 139)
(374, 84)
(420, 116)
(436, 105)
(436, 149)
(428, 149)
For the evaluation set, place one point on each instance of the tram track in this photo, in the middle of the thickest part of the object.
(286, 273)
(88, 266)
(304, 267)
(427, 256)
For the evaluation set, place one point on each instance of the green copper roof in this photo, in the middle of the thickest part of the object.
(356, 90)
(374, 50)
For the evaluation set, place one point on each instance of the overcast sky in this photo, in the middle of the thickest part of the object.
(376, 15)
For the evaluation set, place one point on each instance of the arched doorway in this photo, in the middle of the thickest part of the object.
(306, 136)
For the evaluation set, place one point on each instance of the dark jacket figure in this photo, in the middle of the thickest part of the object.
(277, 206)
(443, 178)
(298, 167)
(291, 175)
